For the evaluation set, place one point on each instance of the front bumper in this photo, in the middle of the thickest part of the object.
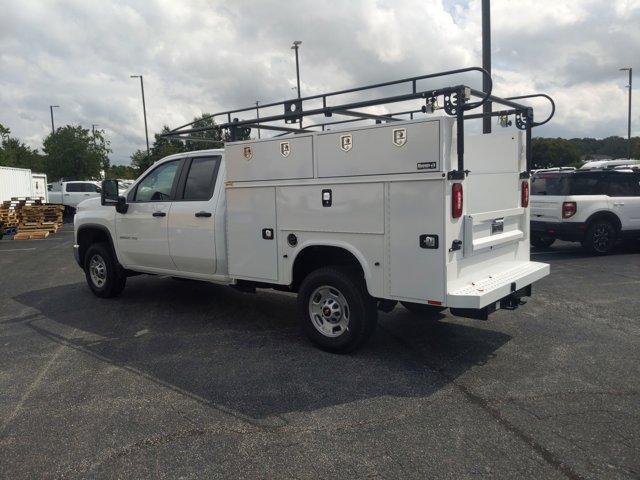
(570, 231)
(76, 255)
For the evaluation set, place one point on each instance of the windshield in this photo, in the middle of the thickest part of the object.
(550, 184)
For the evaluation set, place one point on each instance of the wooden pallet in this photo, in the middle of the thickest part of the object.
(31, 235)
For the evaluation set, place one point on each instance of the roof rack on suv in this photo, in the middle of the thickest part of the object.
(456, 101)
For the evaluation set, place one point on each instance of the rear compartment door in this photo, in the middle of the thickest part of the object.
(493, 216)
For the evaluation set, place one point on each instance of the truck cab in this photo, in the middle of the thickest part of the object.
(70, 194)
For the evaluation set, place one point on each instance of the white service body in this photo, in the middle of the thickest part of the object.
(15, 183)
(358, 190)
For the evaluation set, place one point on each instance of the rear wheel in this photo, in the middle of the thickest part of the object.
(601, 237)
(542, 241)
(336, 312)
(101, 270)
(422, 310)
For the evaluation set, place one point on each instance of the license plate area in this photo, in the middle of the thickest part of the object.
(497, 226)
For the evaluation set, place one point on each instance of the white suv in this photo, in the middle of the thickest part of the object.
(595, 207)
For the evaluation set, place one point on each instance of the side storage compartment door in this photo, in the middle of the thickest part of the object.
(417, 242)
(251, 233)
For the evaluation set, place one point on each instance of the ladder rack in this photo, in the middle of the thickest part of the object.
(457, 100)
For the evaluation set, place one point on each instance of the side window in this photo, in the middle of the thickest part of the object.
(89, 187)
(156, 186)
(588, 184)
(624, 186)
(201, 178)
(74, 187)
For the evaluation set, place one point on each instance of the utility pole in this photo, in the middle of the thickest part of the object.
(258, 117)
(630, 70)
(295, 46)
(144, 112)
(51, 107)
(486, 61)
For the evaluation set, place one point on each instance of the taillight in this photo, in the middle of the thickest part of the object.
(524, 194)
(569, 209)
(456, 200)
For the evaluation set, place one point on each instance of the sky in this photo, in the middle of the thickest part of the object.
(208, 56)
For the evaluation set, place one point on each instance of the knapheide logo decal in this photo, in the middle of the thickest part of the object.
(399, 136)
(346, 142)
(247, 152)
(285, 149)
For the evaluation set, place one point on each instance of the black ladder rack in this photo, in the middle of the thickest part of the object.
(457, 100)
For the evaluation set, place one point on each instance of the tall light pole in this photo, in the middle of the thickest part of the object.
(486, 62)
(93, 129)
(630, 70)
(295, 46)
(258, 116)
(144, 111)
(51, 107)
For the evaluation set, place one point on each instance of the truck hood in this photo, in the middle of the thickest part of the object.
(89, 203)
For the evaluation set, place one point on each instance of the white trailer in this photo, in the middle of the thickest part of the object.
(39, 188)
(15, 182)
(411, 211)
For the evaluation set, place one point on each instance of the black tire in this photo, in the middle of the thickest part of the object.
(601, 237)
(102, 275)
(542, 241)
(422, 310)
(343, 327)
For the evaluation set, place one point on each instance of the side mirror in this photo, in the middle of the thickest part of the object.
(109, 195)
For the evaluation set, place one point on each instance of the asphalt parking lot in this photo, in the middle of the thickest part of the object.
(187, 380)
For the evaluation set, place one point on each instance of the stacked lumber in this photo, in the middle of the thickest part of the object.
(9, 217)
(31, 218)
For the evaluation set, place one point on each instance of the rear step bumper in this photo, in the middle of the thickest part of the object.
(500, 290)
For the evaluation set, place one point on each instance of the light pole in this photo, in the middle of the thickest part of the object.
(258, 116)
(295, 46)
(93, 130)
(144, 111)
(486, 61)
(630, 70)
(51, 107)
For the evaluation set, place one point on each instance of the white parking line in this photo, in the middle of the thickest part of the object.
(16, 249)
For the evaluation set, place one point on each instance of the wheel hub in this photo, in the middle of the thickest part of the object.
(329, 311)
(98, 270)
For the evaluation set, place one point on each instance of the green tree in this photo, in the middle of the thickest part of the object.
(14, 153)
(554, 152)
(125, 172)
(74, 153)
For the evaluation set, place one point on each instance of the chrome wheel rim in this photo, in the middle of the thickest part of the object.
(98, 270)
(329, 311)
(602, 238)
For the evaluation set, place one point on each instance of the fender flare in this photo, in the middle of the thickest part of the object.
(102, 228)
(604, 213)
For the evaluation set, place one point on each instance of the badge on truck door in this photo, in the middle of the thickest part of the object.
(346, 142)
(399, 136)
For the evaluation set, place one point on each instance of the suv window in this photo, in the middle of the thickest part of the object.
(588, 184)
(550, 184)
(201, 178)
(156, 186)
(74, 187)
(624, 185)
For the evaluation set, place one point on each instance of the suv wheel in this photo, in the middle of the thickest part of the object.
(601, 237)
(542, 241)
(336, 312)
(101, 271)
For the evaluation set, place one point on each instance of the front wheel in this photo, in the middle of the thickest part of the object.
(336, 312)
(600, 238)
(101, 270)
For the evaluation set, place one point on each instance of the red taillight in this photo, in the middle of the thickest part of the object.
(456, 200)
(524, 194)
(569, 209)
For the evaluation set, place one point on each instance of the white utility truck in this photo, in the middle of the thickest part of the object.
(70, 194)
(352, 220)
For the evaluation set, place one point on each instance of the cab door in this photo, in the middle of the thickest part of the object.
(142, 231)
(193, 216)
(624, 193)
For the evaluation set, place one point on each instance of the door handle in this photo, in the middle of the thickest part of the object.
(159, 214)
(203, 214)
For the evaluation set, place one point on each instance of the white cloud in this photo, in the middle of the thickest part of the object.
(208, 56)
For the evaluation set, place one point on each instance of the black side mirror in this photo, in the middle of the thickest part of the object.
(109, 195)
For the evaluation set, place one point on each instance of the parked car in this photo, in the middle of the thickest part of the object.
(70, 194)
(618, 162)
(594, 207)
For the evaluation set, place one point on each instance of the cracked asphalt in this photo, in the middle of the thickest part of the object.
(187, 380)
